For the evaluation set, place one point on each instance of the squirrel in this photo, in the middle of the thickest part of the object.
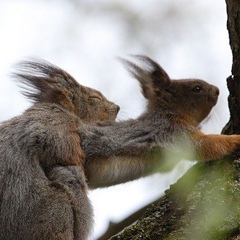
(170, 125)
(43, 190)
(51, 153)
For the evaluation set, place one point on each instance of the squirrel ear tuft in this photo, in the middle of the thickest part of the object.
(158, 75)
(44, 82)
(151, 76)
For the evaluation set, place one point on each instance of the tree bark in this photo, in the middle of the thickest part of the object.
(233, 81)
(205, 203)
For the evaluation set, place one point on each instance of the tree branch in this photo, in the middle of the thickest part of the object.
(115, 228)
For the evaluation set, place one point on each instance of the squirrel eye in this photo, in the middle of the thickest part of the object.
(95, 98)
(197, 89)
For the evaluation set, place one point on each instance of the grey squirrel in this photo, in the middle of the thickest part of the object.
(39, 143)
(54, 150)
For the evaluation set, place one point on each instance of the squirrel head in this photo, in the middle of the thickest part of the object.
(46, 83)
(190, 99)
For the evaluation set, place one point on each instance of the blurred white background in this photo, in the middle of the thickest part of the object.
(188, 38)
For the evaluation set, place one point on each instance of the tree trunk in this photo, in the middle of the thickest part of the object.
(233, 81)
(205, 203)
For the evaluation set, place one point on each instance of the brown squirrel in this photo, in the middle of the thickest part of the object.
(174, 111)
(47, 152)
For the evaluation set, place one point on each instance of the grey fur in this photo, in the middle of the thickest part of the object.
(41, 195)
(31, 205)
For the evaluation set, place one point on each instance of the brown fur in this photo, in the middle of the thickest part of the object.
(53, 85)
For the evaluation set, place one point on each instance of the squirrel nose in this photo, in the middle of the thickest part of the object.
(117, 109)
(217, 91)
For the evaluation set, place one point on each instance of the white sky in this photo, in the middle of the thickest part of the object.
(86, 43)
